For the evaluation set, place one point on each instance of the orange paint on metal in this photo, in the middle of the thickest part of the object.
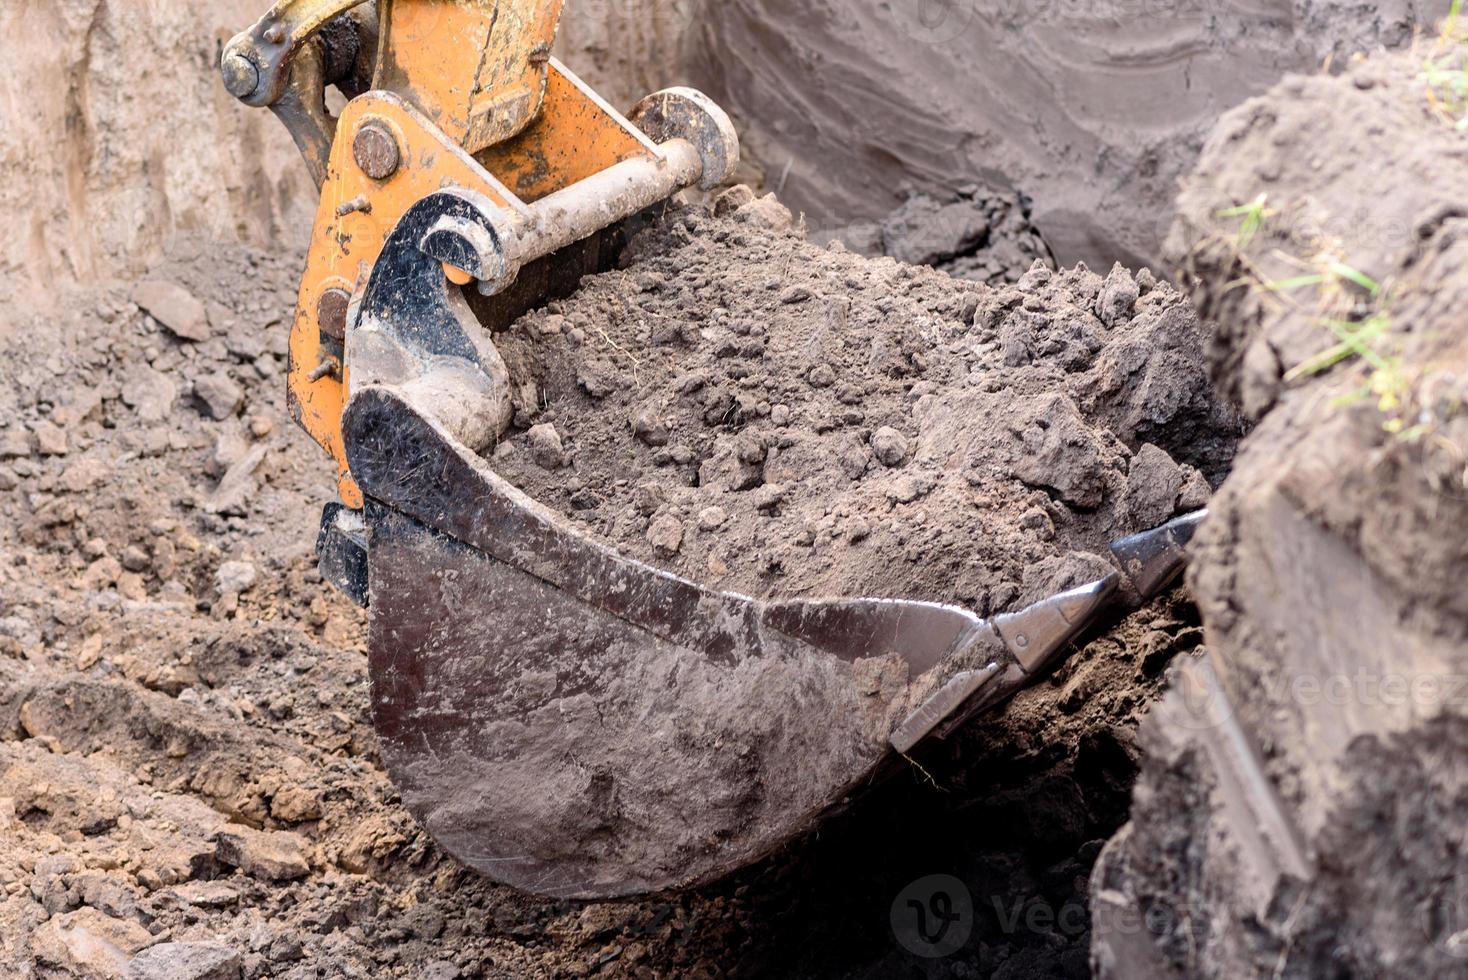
(451, 74)
(476, 68)
(576, 136)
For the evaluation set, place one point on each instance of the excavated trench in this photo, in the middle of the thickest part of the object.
(187, 769)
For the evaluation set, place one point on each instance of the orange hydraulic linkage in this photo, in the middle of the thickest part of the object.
(444, 93)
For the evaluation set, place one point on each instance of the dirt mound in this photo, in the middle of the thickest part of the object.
(1306, 780)
(771, 417)
(1093, 110)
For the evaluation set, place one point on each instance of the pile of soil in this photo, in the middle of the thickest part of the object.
(1303, 800)
(764, 415)
(187, 771)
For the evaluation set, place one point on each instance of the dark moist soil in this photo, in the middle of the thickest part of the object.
(186, 758)
(767, 416)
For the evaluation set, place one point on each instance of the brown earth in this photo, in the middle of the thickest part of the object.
(185, 745)
(1305, 791)
(770, 417)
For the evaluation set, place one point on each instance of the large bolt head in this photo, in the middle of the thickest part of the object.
(376, 151)
(241, 76)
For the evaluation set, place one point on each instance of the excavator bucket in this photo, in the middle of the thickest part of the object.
(558, 716)
(579, 724)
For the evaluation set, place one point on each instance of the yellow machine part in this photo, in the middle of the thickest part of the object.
(575, 135)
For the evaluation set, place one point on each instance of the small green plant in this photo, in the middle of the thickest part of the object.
(1446, 71)
(1251, 219)
(1368, 337)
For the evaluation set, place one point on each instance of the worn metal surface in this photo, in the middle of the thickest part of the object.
(578, 723)
(1154, 559)
(477, 68)
(685, 113)
(680, 733)
(341, 551)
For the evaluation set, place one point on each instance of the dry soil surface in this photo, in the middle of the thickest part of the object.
(1092, 110)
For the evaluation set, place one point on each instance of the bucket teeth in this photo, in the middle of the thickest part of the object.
(952, 696)
(1155, 558)
(1035, 635)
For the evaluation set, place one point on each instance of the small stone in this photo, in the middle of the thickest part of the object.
(150, 393)
(1195, 493)
(185, 961)
(780, 415)
(712, 518)
(293, 803)
(649, 428)
(88, 943)
(102, 573)
(174, 307)
(648, 498)
(261, 426)
(235, 577)
(666, 535)
(15, 443)
(208, 894)
(889, 446)
(906, 489)
(732, 200)
(1153, 484)
(230, 447)
(441, 970)
(238, 485)
(130, 585)
(85, 474)
(821, 376)
(219, 394)
(794, 295)
(765, 212)
(50, 439)
(267, 855)
(546, 447)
